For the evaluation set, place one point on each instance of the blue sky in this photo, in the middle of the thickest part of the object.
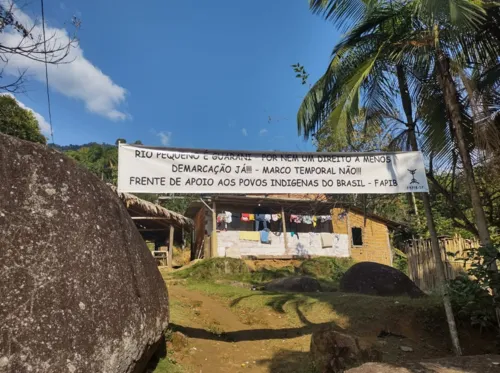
(183, 73)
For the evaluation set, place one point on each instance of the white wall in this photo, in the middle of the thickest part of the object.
(229, 244)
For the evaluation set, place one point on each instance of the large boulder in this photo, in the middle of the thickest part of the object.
(297, 284)
(378, 279)
(79, 289)
(333, 352)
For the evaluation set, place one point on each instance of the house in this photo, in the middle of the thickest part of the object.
(297, 226)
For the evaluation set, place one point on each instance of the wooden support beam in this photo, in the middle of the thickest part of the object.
(213, 237)
(170, 247)
(151, 229)
(284, 227)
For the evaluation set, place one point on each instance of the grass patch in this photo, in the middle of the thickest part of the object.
(326, 268)
(168, 365)
(215, 268)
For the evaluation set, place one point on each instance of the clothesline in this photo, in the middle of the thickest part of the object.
(227, 217)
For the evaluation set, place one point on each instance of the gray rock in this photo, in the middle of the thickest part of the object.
(406, 349)
(79, 290)
(378, 279)
(300, 284)
(333, 352)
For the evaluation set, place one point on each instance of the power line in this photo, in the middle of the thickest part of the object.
(47, 72)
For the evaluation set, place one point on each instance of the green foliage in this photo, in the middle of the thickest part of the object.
(400, 261)
(215, 268)
(472, 295)
(19, 122)
(180, 203)
(472, 303)
(326, 267)
(268, 274)
(101, 160)
(300, 73)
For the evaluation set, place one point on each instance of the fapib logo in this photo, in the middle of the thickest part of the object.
(414, 184)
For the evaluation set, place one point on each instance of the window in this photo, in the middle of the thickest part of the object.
(357, 236)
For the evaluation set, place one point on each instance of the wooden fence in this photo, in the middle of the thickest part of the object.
(421, 263)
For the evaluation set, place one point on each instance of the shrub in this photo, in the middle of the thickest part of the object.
(326, 267)
(268, 274)
(472, 303)
(400, 261)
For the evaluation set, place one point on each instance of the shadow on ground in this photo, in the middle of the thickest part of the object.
(295, 362)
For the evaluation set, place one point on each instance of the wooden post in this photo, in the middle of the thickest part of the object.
(213, 237)
(284, 228)
(170, 247)
(193, 244)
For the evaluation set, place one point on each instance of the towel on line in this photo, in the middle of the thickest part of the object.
(249, 236)
(326, 240)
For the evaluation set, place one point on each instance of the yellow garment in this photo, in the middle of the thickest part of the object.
(250, 236)
(279, 216)
(251, 217)
(315, 220)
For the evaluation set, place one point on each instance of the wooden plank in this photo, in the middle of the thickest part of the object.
(170, 247)
(284, 227)
(213, 237)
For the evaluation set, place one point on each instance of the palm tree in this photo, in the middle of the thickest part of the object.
(432, 34)
(394, 43)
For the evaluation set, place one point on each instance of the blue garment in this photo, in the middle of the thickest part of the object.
(257, 223)
(264, 236)
(260, 217)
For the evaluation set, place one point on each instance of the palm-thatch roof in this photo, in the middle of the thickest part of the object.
(138, 207)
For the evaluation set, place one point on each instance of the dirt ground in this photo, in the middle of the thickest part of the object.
(237, 330)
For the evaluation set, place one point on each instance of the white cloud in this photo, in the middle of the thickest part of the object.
(244, 132)
(42, 123)
(165, 137)
(263, 132)
(78, 79)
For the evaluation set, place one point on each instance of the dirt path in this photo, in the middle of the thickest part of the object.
(272, 333)
(220, 340)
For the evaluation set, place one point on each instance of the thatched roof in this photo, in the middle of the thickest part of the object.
(138, 207)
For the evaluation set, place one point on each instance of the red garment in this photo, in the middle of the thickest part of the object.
(245, 217)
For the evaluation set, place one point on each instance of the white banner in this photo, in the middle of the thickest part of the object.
(144, 169)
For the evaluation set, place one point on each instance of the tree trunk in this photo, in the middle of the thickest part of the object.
(436, 250)
(452, 105)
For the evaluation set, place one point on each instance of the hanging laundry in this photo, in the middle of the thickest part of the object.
(251, 217)
(315, 220)
(221, 218)
(326, 240)
(245, 217)
(275, 217)
(264, 236)
(228, 217)
(267, 217)
(296, 218)
(250, 236)
(307, 219)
